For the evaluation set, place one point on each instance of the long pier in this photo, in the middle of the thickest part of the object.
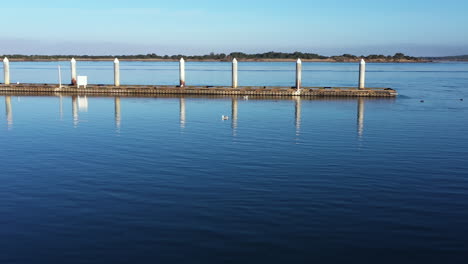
(196, 90)
(79, 85)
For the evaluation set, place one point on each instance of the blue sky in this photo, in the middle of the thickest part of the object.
(416, 27)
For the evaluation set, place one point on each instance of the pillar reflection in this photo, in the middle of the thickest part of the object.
(61, 107)
(234, 110)
(182, 112)
(360, 117)
(83, 103)
(9, 112)
(298, 108)
(117, 112)
(75, 110)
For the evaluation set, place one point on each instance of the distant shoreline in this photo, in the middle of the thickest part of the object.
(271, 56)
(240, 56)
(221, 60)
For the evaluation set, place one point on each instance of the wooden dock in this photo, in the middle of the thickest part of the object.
(197, 90)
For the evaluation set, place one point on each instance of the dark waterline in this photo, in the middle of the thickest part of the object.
(165, 180)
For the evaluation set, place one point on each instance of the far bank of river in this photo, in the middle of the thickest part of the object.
(224, 60)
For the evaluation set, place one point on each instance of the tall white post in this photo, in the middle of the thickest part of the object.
(6, 70)
(234, 73)
(73, 71)
(116, 72)
(182, 72)
(362, 74)
(298, 74)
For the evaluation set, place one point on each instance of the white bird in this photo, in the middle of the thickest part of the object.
(223, 117)
(246, 97)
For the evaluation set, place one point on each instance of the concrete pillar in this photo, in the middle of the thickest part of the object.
(234, 73)
(73, 71)
(116, 72)
(182, 72)
(298, 74)
(6, 70)
(362, 74)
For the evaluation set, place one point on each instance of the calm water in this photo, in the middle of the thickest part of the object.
(165, 180)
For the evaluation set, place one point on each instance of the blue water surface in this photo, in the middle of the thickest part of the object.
(284, 180)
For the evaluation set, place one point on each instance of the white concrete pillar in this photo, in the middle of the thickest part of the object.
(362, 74)
(73, 71)
(116, 72)
(182, 72)
(234, 73)
(6, 70)
(298, 74)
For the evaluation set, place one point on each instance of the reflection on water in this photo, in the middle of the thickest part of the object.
(182, 112)
(83, 103)
(9, 114)
(297, 115)
(61, 107)
(234, 108)
(80, 104)
(360, 117)
(386, 184)
(75, 110)
(117, 112)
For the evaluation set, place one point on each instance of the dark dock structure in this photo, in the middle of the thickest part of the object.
(197, 90)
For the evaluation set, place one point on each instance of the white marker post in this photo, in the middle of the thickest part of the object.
(116, 72)
(298, 74)
(73, 71)
(234, 73)
(6, 70)
(362, 74)
(182, 72)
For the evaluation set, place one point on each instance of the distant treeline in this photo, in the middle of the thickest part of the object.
(448, 58)
(222, 56)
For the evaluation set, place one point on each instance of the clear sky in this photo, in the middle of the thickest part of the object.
(331, 27)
